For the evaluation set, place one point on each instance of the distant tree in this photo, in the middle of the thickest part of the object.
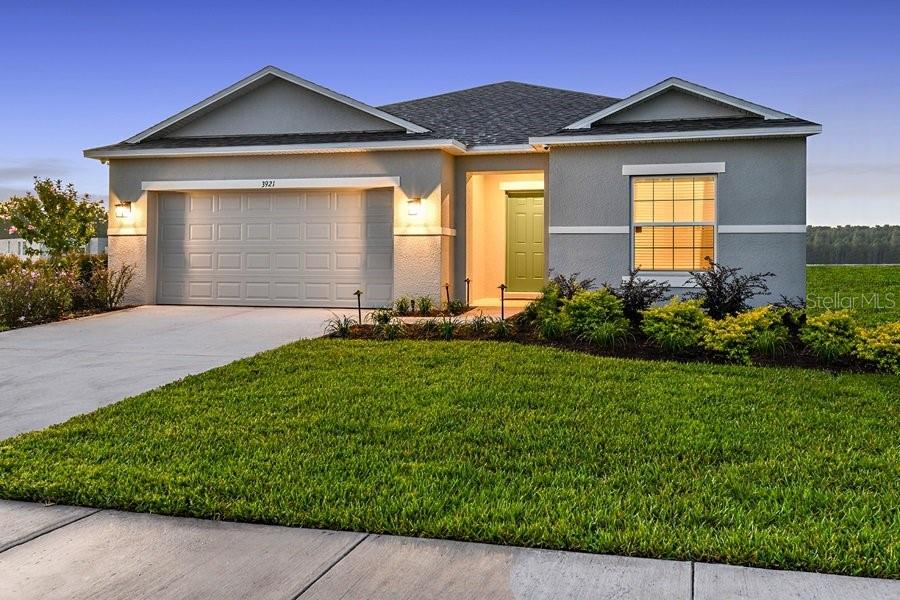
(853, 244)
(54, 218)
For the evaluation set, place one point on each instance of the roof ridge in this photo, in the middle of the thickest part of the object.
(497, 83)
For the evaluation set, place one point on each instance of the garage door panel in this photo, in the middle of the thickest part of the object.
(303, 248)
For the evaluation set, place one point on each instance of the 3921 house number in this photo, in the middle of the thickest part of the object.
(268, 183)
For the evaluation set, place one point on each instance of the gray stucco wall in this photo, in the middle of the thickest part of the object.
(282, 107)
(764, 184)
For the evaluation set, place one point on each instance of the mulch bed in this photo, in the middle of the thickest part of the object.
(637, 348)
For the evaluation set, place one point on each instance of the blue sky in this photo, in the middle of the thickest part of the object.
(80, 74)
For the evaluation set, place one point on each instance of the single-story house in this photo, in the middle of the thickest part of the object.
(278, 191)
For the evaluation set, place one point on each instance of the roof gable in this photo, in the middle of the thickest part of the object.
(275, 101)
(676, 98)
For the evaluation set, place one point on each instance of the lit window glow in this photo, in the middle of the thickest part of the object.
(673, 222)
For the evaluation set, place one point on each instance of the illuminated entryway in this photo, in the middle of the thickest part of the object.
(505, 235)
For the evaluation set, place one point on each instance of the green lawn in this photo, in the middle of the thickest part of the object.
(503, 443)
(872, 292)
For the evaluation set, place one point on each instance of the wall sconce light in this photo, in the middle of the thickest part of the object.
(413, 207)
(123, 210)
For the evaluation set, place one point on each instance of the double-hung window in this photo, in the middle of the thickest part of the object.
(673, 222)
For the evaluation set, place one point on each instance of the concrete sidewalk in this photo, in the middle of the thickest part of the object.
(71, 552)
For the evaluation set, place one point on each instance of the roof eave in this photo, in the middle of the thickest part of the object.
(669, 136)
(447, 145)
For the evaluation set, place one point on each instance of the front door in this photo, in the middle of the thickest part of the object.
(524, 241)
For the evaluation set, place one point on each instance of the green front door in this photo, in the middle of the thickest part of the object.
(524, 241)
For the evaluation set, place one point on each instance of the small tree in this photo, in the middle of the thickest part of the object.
(56, 218)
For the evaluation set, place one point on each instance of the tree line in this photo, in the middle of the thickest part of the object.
(853, 244)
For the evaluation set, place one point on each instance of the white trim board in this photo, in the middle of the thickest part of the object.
(450, 146)
(272, 184)
(676, 279)
(687, 86)
(762, 228)
(271, 71)
(620, 138)
(601, 229)
(519, 186)
(674, 169)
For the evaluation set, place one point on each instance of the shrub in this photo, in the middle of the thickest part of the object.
(737, 336)
(403, 306)
(456, 306)
(548, 303)
(831, 335)
(33, 295)
(425, 304)
(640, 294)
(391, 330)
(108, 286)
(429, 327)
(677, 327)
(501, 329)
(724, 292)
(339, 326)
(550, 326)
(880, 346)
(587, 310)
(608, 334)
(448, 327)
(9, 262)
(381, 316)
(568, 286)
(479, 324)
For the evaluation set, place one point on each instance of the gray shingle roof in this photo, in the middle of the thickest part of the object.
(683, 125)
(499, 113)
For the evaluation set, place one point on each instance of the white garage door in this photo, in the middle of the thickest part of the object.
(285, 248)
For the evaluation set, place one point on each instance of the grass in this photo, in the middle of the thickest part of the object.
(872, 292)
(525, 445)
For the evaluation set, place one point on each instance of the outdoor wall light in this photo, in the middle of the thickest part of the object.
(123, 210)
(413, 207)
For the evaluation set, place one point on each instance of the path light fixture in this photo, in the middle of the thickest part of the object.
(414, 207)
(123, 210)
(468, 281)
(502, 288)
(358, 294)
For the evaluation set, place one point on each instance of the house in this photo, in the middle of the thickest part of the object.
(16, 246)
(278, 191)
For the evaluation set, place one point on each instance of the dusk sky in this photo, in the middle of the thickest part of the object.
(79, 74)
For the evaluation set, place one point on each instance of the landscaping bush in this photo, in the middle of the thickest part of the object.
(424, 304)
(403, 306)
(456, 306)
(339, 326)
(639, 294)
(9, 262)
(30, 295)
(724, 292)
(390, 330)
(596, 317)
(677, 327)
(880, 346)
(108, 286)
(381, 316)
(737, 337)
(568, 286)
(830, 336)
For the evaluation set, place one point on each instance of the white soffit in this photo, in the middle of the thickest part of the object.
(674, 169)
(271, 71)
(687, 86)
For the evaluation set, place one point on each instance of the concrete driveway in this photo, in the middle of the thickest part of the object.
(52, 372)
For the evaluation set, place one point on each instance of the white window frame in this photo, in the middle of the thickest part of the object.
(674, 278)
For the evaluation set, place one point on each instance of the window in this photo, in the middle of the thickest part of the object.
(673, 222)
